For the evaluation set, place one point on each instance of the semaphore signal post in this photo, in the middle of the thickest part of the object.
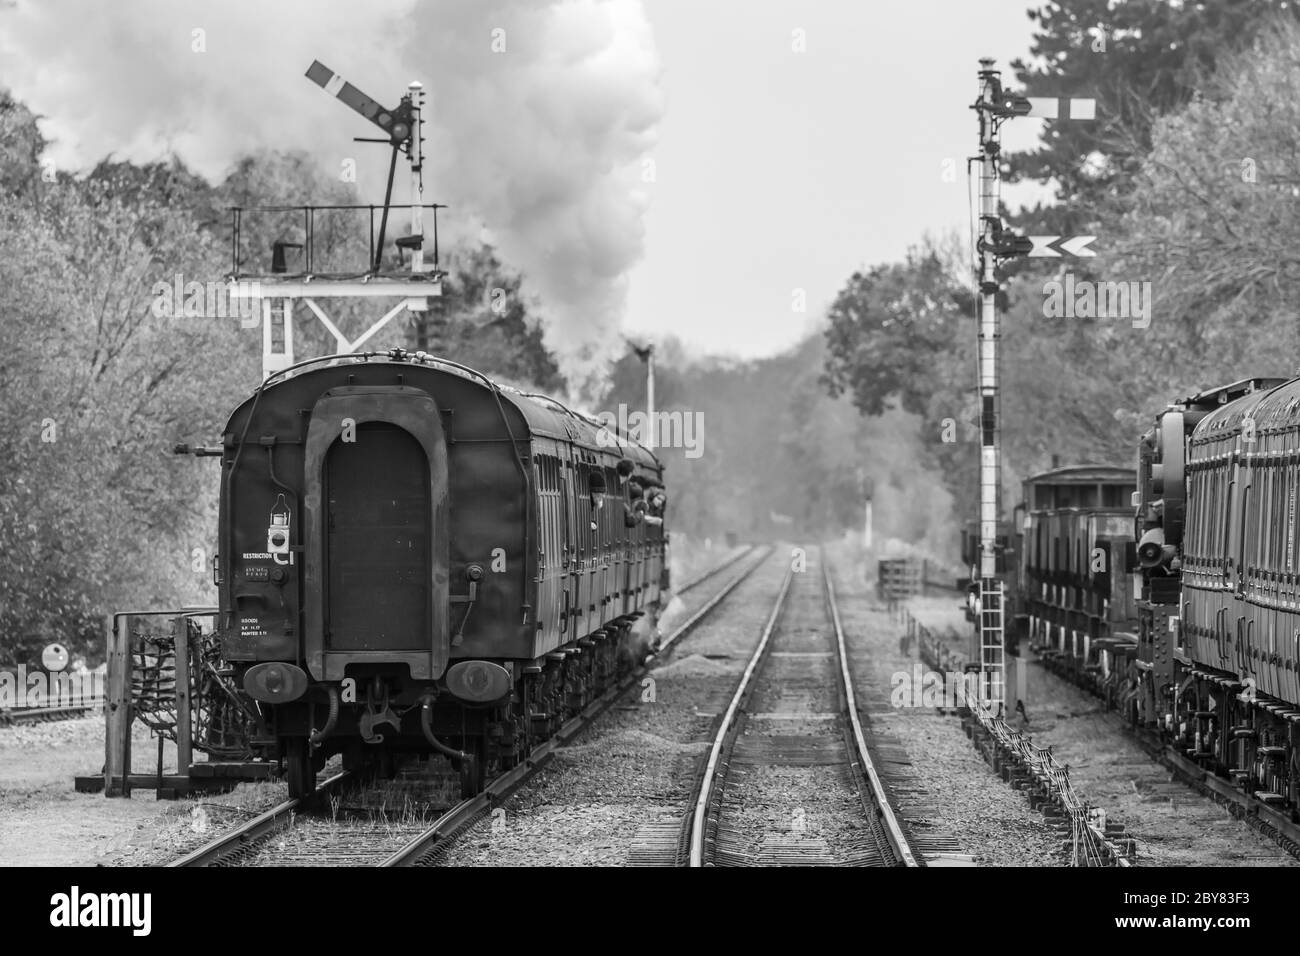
(310, 278)
(993, 107)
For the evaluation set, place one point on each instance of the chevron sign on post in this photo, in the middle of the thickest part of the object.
(1053, 247)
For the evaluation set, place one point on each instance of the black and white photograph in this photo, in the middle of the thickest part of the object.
(576, 434)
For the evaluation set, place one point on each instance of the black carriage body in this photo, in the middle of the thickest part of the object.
(359, 498)
(1078, 544)
(1218, 652)
(1240, 574)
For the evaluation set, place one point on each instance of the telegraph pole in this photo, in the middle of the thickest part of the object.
(422, 318)
(994, 106)
(415, 152)
(646, 353)
(650, 396)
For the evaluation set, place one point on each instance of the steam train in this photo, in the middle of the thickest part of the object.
(414, 559)
(1184, 609)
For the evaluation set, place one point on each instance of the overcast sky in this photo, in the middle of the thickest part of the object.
(778, 170)
(792, 142)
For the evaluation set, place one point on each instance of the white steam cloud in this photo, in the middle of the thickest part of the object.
(541, 114)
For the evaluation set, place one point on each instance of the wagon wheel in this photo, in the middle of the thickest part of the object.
(298, 767)
(472, 768)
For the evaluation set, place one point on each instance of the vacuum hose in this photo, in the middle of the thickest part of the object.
(426, 725)
(318, 735)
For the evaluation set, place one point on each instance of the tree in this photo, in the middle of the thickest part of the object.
(887, 326)
(95, 513)
(1140, 59)
(1213, 225)
(21, 146)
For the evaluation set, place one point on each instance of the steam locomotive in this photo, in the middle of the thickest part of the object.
(414, 559)
(1192, 626)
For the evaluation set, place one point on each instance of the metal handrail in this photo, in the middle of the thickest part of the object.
(309, 234)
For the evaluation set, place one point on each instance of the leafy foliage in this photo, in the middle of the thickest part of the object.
(95, 388)
(888, 325)
(1140, 59)
(1213, 221)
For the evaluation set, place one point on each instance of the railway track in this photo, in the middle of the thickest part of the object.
(235, 845)
(728, 562)
(42, 715)
(792, 728)
(392, 830)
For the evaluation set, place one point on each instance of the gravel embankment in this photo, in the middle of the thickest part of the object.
(943, 786)
(1171, 824)
(45, 822)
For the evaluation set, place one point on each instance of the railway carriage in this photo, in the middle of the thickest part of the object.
(1201, 642)
(415, 559)
(1076, 596)
(1220, 616)
(1064, 571)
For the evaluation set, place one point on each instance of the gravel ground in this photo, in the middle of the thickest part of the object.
(45, 822)
(943, 788)
(1172, 824)
(179, 826)
(617, 794)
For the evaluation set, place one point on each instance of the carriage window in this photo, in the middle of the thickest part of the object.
(1282, 520)
(1273, 508)
(596, 488)
(1221, 528)
(1206, 492)
(1260, 503)
(1293, 518)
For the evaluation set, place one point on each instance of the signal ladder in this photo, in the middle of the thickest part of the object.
(992, 664)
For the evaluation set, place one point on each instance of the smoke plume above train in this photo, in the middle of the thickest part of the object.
(542, 114)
